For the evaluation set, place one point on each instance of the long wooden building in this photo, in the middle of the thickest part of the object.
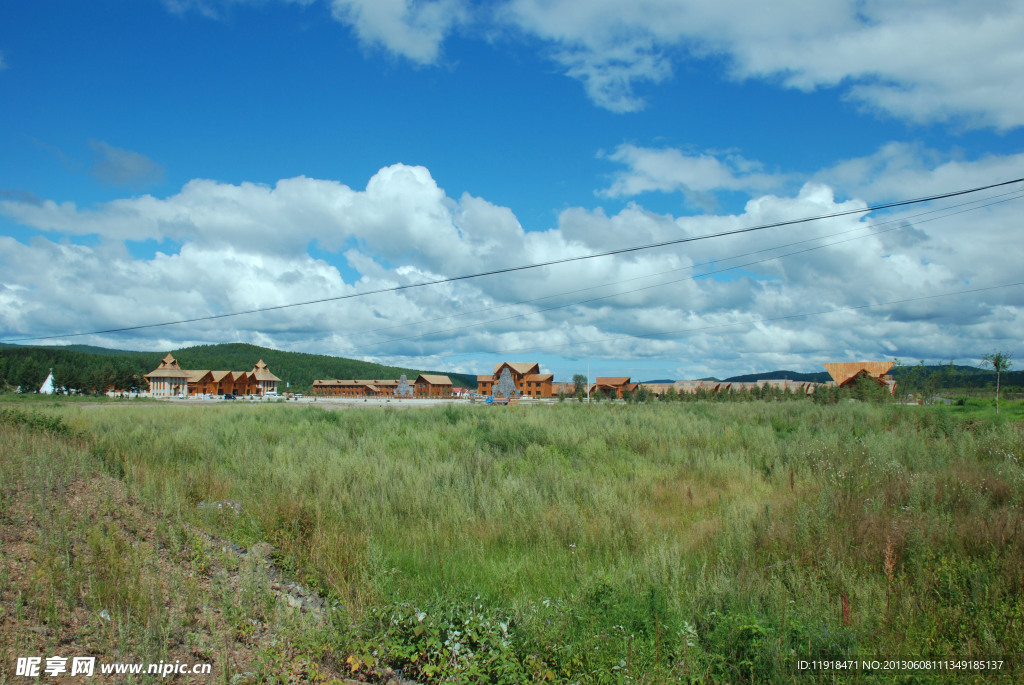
(425, 386)
(170, 380)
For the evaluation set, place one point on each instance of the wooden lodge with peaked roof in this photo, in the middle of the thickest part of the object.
(170, 380)
(526, 378)
(431, 385)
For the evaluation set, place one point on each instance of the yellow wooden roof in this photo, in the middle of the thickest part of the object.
(842, 372)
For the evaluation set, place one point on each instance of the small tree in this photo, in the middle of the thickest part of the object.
(999, 361)
(579, 386)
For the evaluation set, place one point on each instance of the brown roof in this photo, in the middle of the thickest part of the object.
(167, 372)
(195, 375)
(522, 368)
(538, 377)
(168, 369)
(435, 380)
(485, 379)
(612, 380)
(261, 373)
(842, 372)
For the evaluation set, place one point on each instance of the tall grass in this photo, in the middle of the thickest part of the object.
(610, 543)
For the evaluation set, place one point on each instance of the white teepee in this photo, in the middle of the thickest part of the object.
(47, 386)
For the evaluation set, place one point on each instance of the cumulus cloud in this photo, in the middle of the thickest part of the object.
(123, 168)
(701, 306)
(935, 62)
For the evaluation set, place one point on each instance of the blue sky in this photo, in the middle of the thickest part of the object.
(170, 160)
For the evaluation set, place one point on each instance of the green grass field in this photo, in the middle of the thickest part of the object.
(610, 543)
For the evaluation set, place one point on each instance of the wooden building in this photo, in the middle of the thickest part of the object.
(694, 387)
(429, 385)
(607, 385)
(169, 380)
(426, 385)
(525, 378)
(261, 380)
(354, 388)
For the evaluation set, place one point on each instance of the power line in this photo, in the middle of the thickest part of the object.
(751, 321)
(564, 260)
(899, 223)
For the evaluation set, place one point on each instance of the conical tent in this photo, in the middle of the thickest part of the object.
(47, 387)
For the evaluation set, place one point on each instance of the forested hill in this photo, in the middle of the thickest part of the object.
(297, 368)
(820, 377)
(93, 367)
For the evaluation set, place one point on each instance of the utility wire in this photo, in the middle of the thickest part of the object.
(565, 260)
(899, 223)
(749, 322)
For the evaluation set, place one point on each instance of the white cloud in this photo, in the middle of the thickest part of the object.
(245, 246)
(920, 61)
(608, 74)
(925, 62)
(410, 28)
(414, 29)
(901, 170)
(695, 175)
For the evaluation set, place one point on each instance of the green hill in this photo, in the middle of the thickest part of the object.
(819, 377)
(297, 368)
(86, 366)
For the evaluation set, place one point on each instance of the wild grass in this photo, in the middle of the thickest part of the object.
(608, 543)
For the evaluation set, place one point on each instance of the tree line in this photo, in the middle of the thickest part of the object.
(95, 370)
(27, 368)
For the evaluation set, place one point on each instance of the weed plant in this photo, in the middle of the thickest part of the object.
(697, 541)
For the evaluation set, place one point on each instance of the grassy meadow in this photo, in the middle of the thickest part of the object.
(607, 543)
